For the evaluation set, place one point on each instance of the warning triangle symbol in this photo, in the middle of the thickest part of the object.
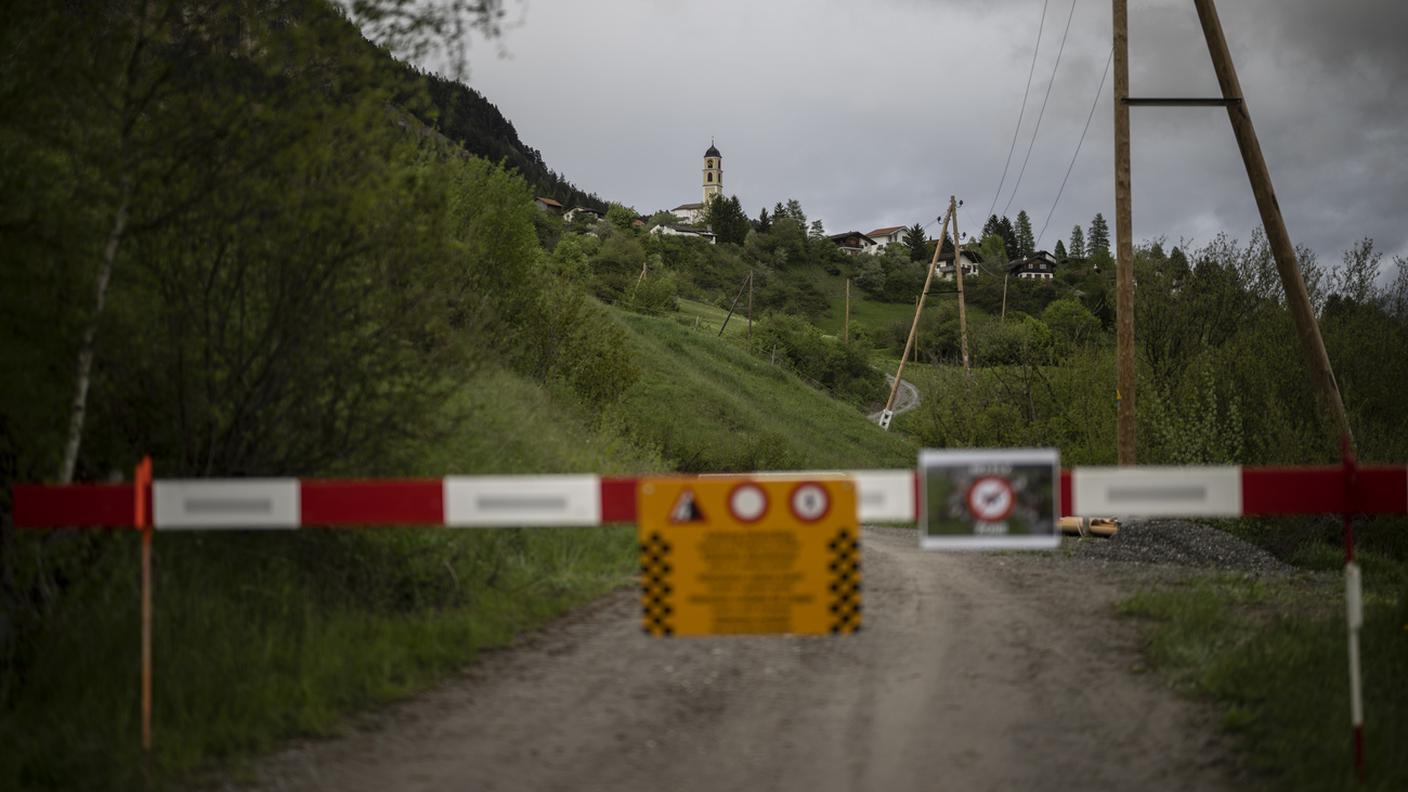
(686, 509)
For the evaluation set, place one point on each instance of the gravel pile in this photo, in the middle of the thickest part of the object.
(1176, 542)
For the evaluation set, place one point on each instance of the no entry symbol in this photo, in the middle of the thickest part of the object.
(990, 499)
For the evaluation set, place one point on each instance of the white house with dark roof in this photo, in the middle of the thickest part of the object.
(1038, 266)
(689, 212)
(888, 235)
(683, 230)
(970, 260)
(576, 211)
(854, 242)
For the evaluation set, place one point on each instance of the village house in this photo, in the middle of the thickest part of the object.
(548, 205)
(684, 230)
(577, 211)
(1038, 266)
(854, 242)
(689, 212)
(889, 235)
(970, 260)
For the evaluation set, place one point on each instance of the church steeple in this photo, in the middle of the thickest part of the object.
(713, 173)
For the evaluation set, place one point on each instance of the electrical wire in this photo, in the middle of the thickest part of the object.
(1020, 113)
(1037, 129)
(1098, 91)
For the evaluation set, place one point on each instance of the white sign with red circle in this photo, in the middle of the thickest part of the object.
(810, 502)
(990, 498)
(748, 503)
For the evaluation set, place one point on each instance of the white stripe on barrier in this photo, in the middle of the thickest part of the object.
(1157, 491)
(881, 495)
(484, 501)
(232, 503)
(885, 495)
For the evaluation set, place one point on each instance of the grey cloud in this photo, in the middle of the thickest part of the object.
(874, 113)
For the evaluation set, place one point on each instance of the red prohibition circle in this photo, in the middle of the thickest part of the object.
(977, 509)
(748, 486)
(820, 490)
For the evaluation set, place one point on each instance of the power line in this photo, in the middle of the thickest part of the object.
(1069, 168)
(1037, 130)
(1037, 50)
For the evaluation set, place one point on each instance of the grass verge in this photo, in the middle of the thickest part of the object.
(1270, 652)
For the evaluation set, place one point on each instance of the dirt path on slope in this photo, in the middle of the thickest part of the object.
(972, 672)
(906, 398)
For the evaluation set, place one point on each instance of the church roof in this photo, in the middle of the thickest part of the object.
(712, 152)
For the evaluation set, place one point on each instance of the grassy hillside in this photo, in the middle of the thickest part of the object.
(709, 405)
(866, 312)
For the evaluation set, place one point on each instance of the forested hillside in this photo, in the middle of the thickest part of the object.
(225, 246)
(463, 115)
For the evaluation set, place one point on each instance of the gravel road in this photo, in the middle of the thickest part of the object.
(984, 671)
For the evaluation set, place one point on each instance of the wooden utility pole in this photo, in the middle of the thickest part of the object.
(746, 281)
(750, 305)
(958, 274)
(1312, 345)
(846, 328)
(1003, 318)
(889, 412)
(1124, 247)
(915, 346)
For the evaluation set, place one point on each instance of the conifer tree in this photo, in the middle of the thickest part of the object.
(1025, 243)
(993, 227)
(1009, 237)
(1060, 250)
(1099, 238)
(1077, 249)
(915, 239)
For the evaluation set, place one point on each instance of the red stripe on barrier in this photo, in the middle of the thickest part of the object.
(618, 500)
(1067, 495)
(363, 502)
(77, 505)
(1271, 491)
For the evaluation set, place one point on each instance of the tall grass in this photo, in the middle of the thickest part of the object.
(1271, 654)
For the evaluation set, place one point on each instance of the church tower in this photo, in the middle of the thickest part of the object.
(713, 173)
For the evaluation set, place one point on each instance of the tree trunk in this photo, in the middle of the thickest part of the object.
(79, 407)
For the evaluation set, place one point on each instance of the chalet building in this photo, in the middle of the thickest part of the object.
(578, 211)
(1039, 266)
(684, 230)
(548, 205)
(970, 259)
(853, 242)
(888, 235)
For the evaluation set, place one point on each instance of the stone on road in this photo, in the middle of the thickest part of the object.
(972, 672)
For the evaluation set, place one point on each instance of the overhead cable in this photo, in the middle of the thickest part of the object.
(1095, 103)
(1020, 113)
(1042, 112)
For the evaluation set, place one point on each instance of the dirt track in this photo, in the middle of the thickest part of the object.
(973, 672)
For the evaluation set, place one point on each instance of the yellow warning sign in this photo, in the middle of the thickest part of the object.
(737, 556)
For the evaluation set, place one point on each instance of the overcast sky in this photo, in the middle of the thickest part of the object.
(872, 113)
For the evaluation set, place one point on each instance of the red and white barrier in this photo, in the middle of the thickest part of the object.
(584, 500)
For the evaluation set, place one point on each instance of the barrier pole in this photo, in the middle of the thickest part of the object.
(142, 520)
(1354, 606)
